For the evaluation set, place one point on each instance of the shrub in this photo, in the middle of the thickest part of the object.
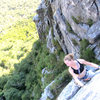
(3, 81)
(11, 93)
(74, 42)
(62, 78)
(7, 48)
(84, 43)
(26, 95)
(90, 22)
(86, 53)
(69, 28)
(75, 20)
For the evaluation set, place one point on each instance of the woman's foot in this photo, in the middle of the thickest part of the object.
(86, 80)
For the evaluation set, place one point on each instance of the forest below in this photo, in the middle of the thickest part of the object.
(17, 36)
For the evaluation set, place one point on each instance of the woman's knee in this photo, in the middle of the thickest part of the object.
(90, 74)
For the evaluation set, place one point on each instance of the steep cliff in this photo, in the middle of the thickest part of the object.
(68, 22)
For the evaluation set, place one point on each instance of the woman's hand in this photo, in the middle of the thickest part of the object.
(81, 85)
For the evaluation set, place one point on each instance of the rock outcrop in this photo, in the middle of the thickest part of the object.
(90, 91)
(67, 21)
(47, 93)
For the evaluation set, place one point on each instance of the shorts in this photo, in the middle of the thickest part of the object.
(89, 74)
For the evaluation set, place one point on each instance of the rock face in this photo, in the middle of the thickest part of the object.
(47, 93)
(69, 91)
(91, 90)
(66, 21)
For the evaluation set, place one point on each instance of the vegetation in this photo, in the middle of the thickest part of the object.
(12, 11)
(17, 36)
(90, 22)
(69, 28)
(60, 81)
(74, 42)
(16, 43)
(76, 20)
(86, 52)
(25, 81)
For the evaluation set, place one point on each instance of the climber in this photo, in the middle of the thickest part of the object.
(78, 70)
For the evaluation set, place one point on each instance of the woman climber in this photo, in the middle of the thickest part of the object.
(78, 70)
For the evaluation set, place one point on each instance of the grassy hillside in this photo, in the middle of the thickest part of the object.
(12, 11)
(17, 31)
(16, 43)
(17, 35)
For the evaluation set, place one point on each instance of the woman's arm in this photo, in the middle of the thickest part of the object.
(76, 78)
(88, 63)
